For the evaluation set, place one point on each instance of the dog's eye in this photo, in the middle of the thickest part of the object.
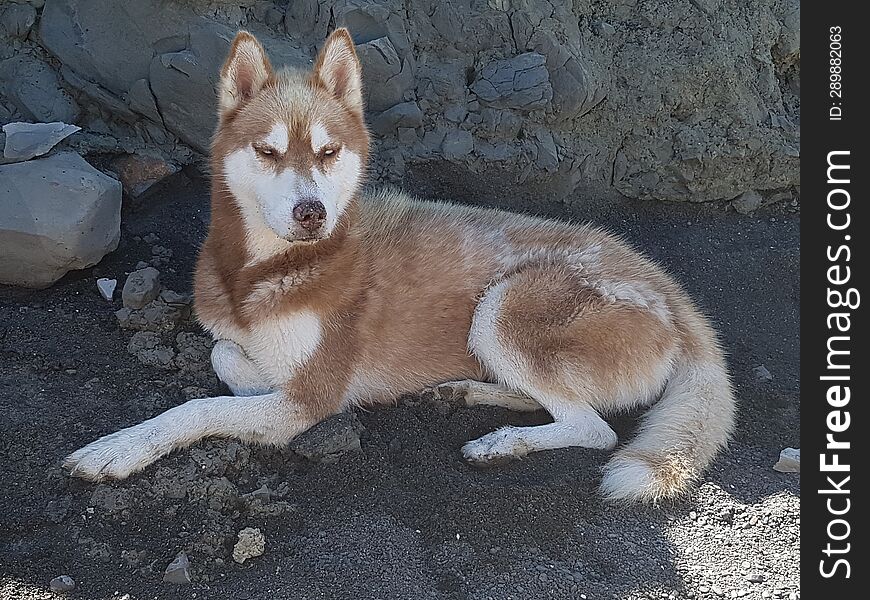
(329, 152)
(264, 151)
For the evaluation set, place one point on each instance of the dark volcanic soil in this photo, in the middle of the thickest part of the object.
(404, 517)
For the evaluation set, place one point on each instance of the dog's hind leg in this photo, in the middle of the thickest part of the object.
(547, 333)
(271, 419)
(475, 393)
(234, 368)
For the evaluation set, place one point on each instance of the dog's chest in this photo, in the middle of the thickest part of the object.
(282, 344)
(277, 340)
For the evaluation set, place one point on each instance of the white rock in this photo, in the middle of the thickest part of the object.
(789, 461)
(56, 214)
(28, 140)
(107, 287)
(251, 543)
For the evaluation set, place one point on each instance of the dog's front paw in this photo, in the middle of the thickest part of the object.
(117, 455)
(495, 448)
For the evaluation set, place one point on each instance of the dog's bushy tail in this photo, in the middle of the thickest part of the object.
(682, 433)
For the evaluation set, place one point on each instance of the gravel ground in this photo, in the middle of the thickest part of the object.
(402, 517)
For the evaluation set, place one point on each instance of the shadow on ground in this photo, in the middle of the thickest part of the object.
(404, 518)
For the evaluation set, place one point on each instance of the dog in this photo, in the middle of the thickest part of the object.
(322, 297)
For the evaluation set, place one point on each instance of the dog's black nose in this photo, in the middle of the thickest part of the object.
(310, 214)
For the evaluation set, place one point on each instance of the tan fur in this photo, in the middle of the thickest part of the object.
(405, 294)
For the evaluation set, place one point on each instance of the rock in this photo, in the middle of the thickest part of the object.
(329, 440)
(99, 95)
(789, 461)
(179, 53)
(273, 17)
(34, 89)
(382, 64)
(369, 21)
(251, 544)
(28, 140)
(548, 155)
(16, 20)
(139, 172)
(406, 114)
(148, 347)
(457, 144)
(194, 352)
(178, 570)
(172, 297)
(107, 287)
(747, 202)
(183, 81)
(755, 577)
(762, 374)
(62, 584)
(57, 214)
(157, 316)
(141, 287)
(263, 494)
(521, 82)
(141, 100)
(687, 117)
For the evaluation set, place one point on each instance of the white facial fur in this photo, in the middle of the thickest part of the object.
(267, 198)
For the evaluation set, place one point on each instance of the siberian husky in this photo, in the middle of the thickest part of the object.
(322, 298)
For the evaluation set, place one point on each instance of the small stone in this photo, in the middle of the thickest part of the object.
(251, 543)
(171, 297)
(107, 287)
(745, 564)
(693, 515)
(717, 590)
(327, 441)
(178, 570)
(62, 583)
(755, 577)
(762, 374)
(148, 348)
(747, 202)
(141, 287)
(789, 461)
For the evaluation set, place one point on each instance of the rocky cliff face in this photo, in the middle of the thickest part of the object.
(693, 100)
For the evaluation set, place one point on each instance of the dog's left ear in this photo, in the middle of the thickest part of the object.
(338, 69)
(244, 73)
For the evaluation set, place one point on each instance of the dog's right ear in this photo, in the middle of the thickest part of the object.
(244, 73)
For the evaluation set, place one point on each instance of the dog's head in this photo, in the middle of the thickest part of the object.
(291, 147)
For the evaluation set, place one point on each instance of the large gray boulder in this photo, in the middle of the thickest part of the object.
(56, 214)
